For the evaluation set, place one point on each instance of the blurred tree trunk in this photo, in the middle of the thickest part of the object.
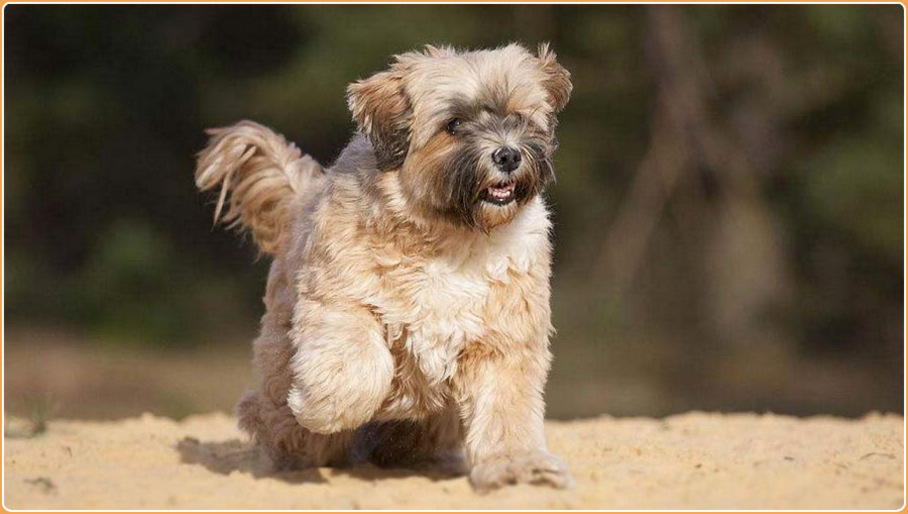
(695, 167)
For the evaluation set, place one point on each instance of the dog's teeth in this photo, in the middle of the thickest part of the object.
(501, 192)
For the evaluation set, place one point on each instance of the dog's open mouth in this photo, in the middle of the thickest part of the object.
(499, 194)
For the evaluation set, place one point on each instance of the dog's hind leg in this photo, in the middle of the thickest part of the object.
(287, 444)
(435, 443)
(342, 368)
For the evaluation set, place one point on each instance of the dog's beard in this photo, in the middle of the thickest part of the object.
(480, 196)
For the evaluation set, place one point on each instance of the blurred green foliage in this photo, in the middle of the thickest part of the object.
(106, 234)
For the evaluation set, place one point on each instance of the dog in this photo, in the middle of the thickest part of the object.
(407, 305)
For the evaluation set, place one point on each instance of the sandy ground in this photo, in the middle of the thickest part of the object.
(691, 461)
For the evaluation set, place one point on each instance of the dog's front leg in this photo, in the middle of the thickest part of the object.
(342, 367)
(501, 401)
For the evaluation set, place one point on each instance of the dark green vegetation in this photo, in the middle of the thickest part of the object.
(728, 208)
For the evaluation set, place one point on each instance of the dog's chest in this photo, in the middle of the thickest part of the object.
(433, 307)
(430, 310)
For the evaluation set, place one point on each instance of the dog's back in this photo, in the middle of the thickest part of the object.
(261, 175)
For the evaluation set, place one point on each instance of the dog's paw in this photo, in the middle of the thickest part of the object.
(538, 468)
(322, 416)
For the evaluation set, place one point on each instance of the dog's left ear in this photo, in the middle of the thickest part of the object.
(381, 109)
(557, 81)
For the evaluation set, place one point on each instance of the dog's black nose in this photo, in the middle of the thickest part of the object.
(506, 158)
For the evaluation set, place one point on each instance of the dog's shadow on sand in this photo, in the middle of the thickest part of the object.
(236, 456)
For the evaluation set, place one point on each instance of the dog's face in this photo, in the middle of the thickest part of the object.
(470, 136)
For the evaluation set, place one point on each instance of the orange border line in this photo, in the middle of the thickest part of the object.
(904, 4)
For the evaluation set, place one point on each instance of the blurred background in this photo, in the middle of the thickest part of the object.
(728, 212)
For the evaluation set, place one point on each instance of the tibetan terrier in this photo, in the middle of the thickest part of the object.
(407, 307)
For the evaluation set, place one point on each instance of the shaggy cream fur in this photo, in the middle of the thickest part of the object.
(407, 306)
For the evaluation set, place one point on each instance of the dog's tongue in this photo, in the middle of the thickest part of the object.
(501, 191)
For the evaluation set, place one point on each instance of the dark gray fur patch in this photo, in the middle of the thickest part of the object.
(390, 137)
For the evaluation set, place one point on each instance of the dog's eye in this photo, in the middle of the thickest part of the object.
(453, 125)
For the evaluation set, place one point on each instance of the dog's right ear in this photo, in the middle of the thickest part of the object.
(381, 109)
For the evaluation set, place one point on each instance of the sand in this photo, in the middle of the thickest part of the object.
(690, 461)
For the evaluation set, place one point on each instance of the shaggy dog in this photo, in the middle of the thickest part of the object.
(407, 307)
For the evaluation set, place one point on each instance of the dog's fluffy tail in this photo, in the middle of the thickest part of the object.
(260, 175)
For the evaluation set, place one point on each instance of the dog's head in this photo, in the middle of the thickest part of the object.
(469, 135)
